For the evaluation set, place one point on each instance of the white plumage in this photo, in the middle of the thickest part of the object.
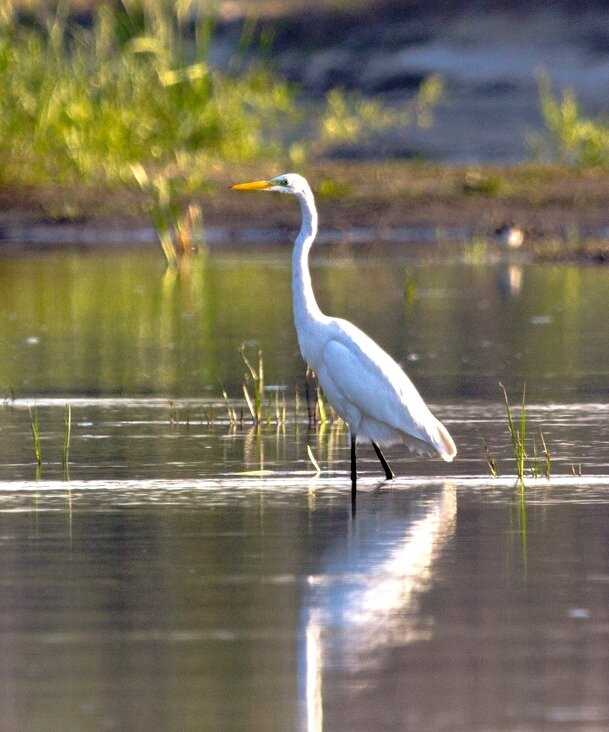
(374, 396)
(366, 387)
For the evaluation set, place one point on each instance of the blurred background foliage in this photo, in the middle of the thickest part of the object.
(81, 103)
(132, 83)
(177, 86)
(570, 137)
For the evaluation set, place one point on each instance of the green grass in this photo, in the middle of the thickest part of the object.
(477, 182)
(35, 428)
(491, 462)
(254, 377)
(132, 100)
(518, 433)
(85, 104)
(67, 436)
(318, 411)
(230, 410)
(476, 251)
(350, 117)
(570, 137)
(540, 463)
(263, 410)
(321, 412)
(547, 458)
(313, 460)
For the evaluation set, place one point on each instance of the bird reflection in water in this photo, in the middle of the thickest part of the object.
(509, 279)
(367, 599)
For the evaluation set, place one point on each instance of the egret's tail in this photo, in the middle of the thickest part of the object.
(443, 442)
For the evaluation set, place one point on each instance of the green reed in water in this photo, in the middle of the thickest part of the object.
(318, 410)
(518, 433)
(256, 376)
(313, 460)
(35, 427)
(232, 414)
(490, 461)
(263, 410)
(67, 435)
(321, 411)
(177, 228)
(547, 468)
(540, 463)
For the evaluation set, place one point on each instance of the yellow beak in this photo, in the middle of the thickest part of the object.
(257, 185)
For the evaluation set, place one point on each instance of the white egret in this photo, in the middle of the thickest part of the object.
(366, 387)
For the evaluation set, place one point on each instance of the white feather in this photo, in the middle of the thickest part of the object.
(374, 396)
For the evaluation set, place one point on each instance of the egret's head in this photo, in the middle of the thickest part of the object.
(285, 183)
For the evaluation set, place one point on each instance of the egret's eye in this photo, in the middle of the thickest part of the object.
(284, 182)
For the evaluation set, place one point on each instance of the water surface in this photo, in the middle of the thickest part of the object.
(117, 324)
(188, 573)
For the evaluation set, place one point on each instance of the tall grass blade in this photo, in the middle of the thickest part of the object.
(232, 415)
(321, 407)
(35, 427)
(547, 457)
(250, 404)
(257, 376)
(522, 436)
(67, 435)
(313, 460)
(517, 434)
(168, 248)
(534, 461)
(490, 461)
(510, 421)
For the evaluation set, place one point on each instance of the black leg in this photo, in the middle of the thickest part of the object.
(388, 472)
(353, 471)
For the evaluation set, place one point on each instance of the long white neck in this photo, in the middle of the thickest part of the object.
(306, 309)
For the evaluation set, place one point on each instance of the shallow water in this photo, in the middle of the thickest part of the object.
(192, 574)
(117, 324)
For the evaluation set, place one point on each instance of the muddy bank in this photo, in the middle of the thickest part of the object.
(549, 202)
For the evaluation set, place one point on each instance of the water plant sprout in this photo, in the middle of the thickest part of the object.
(366, 387)
(35, 427)
(257, 378)
(518, 435)
(67, 436)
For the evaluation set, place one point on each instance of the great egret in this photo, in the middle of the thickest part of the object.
(366, 387)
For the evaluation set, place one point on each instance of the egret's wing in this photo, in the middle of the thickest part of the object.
(373, 382)
(376, 386)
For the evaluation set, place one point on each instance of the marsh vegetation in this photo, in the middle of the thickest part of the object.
(86, 102)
